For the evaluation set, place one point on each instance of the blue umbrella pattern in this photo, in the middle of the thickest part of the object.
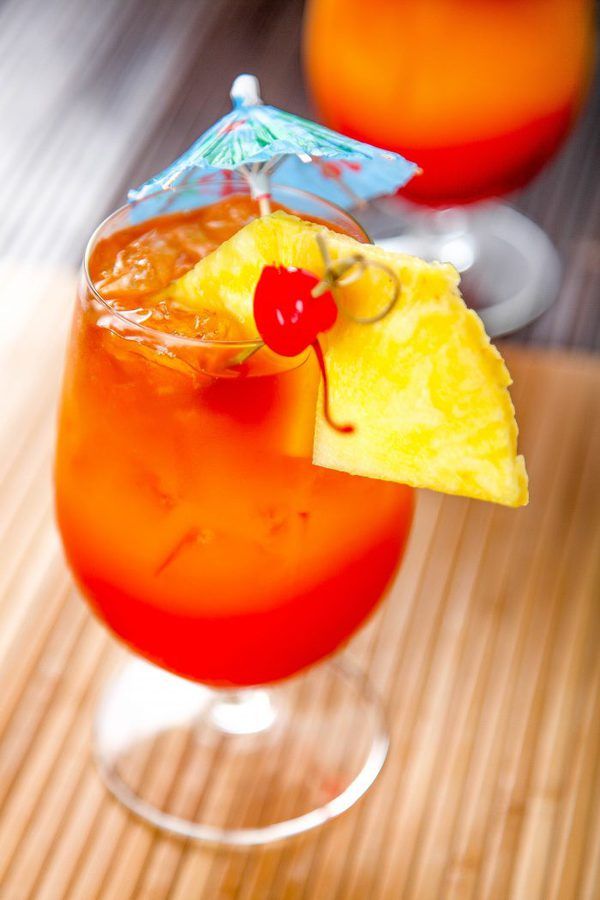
(263, 144)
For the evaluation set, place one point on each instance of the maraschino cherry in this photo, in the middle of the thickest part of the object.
(291, 309)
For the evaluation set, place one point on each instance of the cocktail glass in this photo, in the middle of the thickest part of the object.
(479, 93)
(201, 534)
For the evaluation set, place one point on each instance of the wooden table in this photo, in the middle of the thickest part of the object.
(486, 650)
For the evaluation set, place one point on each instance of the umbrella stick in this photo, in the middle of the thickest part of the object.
(264, 204)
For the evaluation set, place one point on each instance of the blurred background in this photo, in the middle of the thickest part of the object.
(96, 97)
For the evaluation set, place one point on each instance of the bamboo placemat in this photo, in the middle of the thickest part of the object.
(487, 651)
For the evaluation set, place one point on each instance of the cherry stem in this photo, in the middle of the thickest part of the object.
(344, 271)
(343, 429)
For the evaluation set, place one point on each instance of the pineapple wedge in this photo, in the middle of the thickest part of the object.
(424, 386)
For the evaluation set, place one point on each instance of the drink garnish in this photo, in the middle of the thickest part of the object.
(290, 312)
(425, 388)
(293, 306)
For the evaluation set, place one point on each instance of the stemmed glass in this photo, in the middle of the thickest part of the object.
(480, 94)
(203, 537)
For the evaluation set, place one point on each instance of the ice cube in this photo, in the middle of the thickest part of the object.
(149, 262)
(143, 266)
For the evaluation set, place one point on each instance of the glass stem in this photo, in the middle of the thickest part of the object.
(448, 234)
(243, 711)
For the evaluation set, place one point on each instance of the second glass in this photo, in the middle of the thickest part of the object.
(479, 93)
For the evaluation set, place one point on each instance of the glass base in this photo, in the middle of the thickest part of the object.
(240, 767)
(510, 271)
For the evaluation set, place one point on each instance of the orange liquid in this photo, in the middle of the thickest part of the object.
(191, 514)
(480, 93)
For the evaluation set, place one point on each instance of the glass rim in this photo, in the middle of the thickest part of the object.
(180, 339)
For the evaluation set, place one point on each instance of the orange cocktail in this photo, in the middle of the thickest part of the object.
(192, 516)
(479, 92)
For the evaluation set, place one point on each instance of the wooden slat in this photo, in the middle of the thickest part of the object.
(486, 650)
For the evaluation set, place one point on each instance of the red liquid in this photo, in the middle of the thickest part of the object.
(480, 93)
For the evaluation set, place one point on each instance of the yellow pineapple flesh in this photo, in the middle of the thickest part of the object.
(424, 387)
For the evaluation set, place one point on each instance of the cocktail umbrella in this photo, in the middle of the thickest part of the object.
(264, 143)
